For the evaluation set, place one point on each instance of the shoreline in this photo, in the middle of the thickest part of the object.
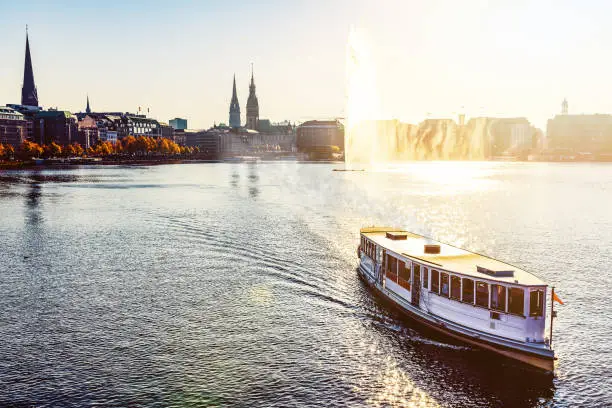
(32, 164)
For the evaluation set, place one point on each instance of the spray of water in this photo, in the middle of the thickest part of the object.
(371, 139)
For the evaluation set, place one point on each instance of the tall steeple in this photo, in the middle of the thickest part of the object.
(88, 109)
(234, 111)
(564, 107)
(28, 92)
(252, 105)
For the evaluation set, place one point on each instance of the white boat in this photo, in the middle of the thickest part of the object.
(471, 297)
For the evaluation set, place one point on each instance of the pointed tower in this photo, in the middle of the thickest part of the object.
(234, 112)
(564, 107)
(252, 106)
(88, 109)
(28, 92)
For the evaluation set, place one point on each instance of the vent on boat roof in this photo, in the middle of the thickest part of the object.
(491, 272)
(397, 235)
(431, 249)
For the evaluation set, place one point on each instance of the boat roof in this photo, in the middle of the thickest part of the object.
(451, 258)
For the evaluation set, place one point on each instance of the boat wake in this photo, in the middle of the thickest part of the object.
(411, 335)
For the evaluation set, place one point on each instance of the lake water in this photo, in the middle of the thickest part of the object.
(236, 285)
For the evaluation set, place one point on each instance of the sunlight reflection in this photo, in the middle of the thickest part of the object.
(398, 389)
(260, 295)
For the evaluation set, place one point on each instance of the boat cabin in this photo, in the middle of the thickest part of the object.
(456, 285)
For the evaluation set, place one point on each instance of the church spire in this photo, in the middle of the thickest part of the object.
(252, 105)
(234, 111)
(88, 109)
(29, 95)
(234, 93)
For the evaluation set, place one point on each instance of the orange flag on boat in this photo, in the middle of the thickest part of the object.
(557, 298)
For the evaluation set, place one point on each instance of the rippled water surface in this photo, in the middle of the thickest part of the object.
(235, 284)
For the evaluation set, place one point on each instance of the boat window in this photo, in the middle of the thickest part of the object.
(425, 278)
(404, 275)
(482, 294)
(536, 303)
(435, 281)
(516, 301)
(391, 268)
(444, 289)
(498, 297)
(467, 294)
(455, 287)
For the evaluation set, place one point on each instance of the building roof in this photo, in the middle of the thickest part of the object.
(54, 114)
(5, 110)
(450, 258)
(141, 119)
(320, 123)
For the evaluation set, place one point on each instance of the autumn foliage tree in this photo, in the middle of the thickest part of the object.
(6, 151)
(29, 149)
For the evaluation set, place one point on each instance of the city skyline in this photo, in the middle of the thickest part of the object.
(183, 65)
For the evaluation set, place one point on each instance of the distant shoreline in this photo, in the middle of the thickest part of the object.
(28, 165)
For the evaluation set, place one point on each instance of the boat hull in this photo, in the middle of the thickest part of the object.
(540, 359)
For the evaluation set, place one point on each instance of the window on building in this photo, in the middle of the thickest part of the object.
(435, 281)
(455, 287)
(444, 289)
(467, 294)
(425, 278)
(498, 298)
(404, 275)
(482, 294)
(536, 303)
(516, 301)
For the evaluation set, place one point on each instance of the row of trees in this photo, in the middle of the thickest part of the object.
(128, 146)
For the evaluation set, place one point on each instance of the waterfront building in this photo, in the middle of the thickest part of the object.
(319, 136)
(590, 134)
(275, 136)
(29, 95)
(234, 111)
(178, 123)
(107, 125)
(178, 136)
(13, 126)
(252, 106)
(139, 125)
(207, 141)
(88, 131)
(166, 130)
(55, 126)
(510, 136)
(29, 112)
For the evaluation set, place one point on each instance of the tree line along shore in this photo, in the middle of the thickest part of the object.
(129, 148)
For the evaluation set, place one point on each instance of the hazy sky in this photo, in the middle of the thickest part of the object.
(436, 58)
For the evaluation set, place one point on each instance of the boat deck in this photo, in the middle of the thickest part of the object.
(450, 258)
